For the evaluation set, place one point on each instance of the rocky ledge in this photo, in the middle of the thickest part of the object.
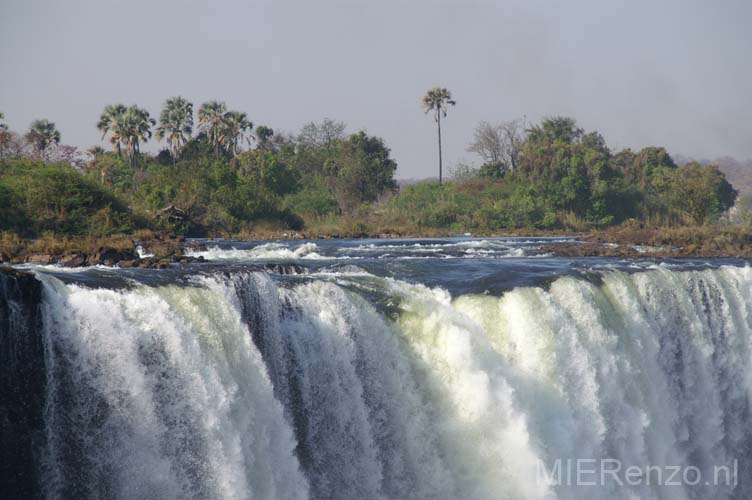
(161, 251)
(106, 256)
(591, 249)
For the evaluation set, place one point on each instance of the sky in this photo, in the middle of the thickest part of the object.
(676, 73)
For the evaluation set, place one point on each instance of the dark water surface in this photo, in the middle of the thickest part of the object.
(461, 265)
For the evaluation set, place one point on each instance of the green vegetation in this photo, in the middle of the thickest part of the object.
(208, 184)
(36, 198)
(554, 176)
(227, 180)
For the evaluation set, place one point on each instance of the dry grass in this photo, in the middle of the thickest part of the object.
(11, 245)
(570, 222)
(699, 241)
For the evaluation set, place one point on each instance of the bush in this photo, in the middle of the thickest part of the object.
(57, 198)
(313, 200)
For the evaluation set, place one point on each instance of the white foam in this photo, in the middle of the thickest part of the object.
(266, 251)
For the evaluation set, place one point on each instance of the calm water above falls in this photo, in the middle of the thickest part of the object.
(447, 368)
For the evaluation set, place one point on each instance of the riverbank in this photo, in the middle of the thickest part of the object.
(687, 242)
(144, 249)
(147, 249)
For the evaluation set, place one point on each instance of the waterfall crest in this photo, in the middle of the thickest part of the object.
(239, 385)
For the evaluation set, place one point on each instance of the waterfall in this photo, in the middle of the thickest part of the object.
(160, 393)
(237, 384)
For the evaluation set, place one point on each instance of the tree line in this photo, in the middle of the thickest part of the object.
(223, 174)
(220, 174)
(573, 171)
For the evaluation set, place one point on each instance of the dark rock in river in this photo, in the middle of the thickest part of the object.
(22, 384)
(73, 260)
(109, 256)
(129, 263)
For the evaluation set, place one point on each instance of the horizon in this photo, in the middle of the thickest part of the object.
(368, 65)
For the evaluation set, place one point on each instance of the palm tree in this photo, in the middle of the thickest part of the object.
(263, 135)
(235, 130)
(175, 124)
(438, 100)
(211, 121)
(41, 135)
(135, 126)
(110, 122)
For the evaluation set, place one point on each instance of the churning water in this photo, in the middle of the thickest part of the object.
(436, 369)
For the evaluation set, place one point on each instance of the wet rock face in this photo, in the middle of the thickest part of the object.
(22, 384)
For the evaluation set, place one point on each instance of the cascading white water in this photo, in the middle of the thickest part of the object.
(235, 387)
(160, 393)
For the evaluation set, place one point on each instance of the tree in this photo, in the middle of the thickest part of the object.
(135, 126)
(323, 134)
(263, 137)
(556, 129)
(211, 121)
(70, 155)
(573, 172)
(438, 100)
(270, 171)
(235, 130)
(646, 163)
(488, 142)
(110, 122)
(41, 135)
(316, 144)
(699, 191)
(12, 145)
(175, 124)
(127, 128)
(498, 145)
(361, 171)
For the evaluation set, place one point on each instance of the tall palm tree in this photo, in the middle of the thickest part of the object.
(211, 121)
(235, 130)
(110, 123)
(438, 100)
(175, 124)
(135, 125)
(41, 135)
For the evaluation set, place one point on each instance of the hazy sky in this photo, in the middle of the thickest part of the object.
(642, 72)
